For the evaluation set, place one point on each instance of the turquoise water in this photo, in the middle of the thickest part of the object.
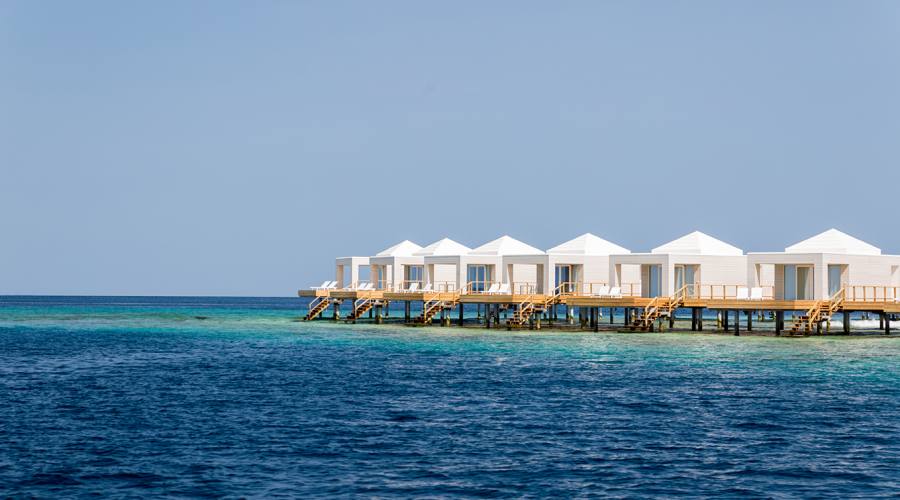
(211, 397)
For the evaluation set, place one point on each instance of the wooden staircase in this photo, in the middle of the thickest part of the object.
(317, 307)
(822, 310)
(659, 307)
(532, 305)
(434, 304)
(360, 307)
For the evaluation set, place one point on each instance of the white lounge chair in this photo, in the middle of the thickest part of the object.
(756, 293)
(602, 291)
(427, 288)
(743, 293)
(503, 289)
(413, 287)
(323, 286)
(615, 292)
(493, 289)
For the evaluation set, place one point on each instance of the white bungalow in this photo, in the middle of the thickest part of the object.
(391, 268)
(440, 261)
(584, 260)
(483, 266)
(709, 265)
(818, 267)
(350, 268)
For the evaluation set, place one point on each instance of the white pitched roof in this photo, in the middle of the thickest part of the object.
(833, 241)
(405, 248)
(588, 244)
(444, 246)
(505, 245)
(697, 243)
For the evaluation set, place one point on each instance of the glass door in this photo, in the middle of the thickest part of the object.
(804, 283)
(655, 285)
(480, 277)
(679, 276)
(834, 278)
(564, 276)
(414, 274)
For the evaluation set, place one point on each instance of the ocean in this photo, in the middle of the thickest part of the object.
(212, 397)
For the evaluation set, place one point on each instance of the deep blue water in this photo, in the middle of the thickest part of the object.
(138, 397)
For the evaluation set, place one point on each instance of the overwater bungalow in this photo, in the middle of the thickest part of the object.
(397, 267)
(705, 265)
(480, 269)
(821, 266)
(814, 280)
(580, 264)
(441, 262)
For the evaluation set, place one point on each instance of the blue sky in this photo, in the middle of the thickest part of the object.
(235, 148)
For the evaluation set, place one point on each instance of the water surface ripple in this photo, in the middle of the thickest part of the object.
(231, 397)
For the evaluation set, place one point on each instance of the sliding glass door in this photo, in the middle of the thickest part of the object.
(564, 276)
(479, 276)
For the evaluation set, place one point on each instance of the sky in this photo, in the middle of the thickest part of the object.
(237, 148)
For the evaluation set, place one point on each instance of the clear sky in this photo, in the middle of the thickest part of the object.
(236, 148)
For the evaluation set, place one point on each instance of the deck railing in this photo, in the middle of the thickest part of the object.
(871, 293)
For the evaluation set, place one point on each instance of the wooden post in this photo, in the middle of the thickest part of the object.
(597, 319)
(406, 311)
(699, 319)
(887, 323)
(737, 322)
(462, 316)
(693, 319)
(336, 311)
(846, 322)
(488, 316)
(612, 313)
(725, 320)
(749, 320)
(779, 322)
(379, 319)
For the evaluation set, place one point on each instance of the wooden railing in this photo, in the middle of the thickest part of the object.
(871, 293)
(727, 292)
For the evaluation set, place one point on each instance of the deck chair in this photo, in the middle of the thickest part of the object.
(413, 287)
(615, 292)
(756, 293)
(743, 293)
(427, 288)
(493, 288)
(602, 291)
(323, 286)
(503, 289)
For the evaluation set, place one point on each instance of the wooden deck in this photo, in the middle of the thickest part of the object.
(767, 304)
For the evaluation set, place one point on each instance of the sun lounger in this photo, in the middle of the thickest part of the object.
(756, 293)
(615, 292)
(602, 291)
(503, 289)
(427, 288)
(493, 289)
(413, 287)
(743, 293)
(324, 286)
